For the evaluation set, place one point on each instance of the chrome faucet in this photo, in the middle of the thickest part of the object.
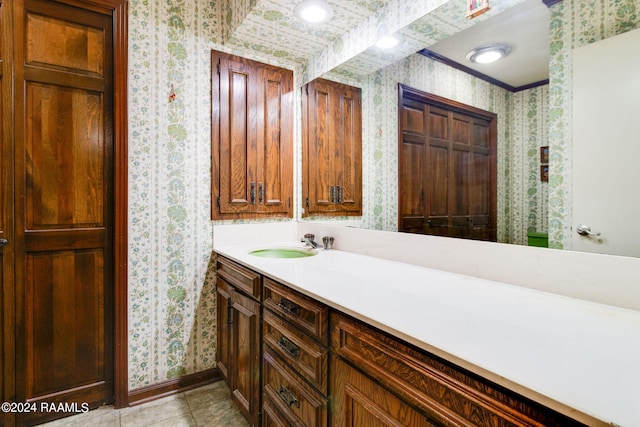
(326, 240)
(308, 239)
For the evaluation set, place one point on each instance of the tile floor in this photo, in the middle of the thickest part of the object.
(208, 406)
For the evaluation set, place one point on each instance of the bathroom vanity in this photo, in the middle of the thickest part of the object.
(349, 338)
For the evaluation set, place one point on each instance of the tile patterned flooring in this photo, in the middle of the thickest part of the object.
(208, 406)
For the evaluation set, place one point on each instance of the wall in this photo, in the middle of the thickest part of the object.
(522, 120)
(574, 23)
(171, 281)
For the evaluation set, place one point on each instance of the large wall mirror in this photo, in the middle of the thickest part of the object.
(531, 113)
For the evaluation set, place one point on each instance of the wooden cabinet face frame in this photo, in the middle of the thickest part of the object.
(251, 139)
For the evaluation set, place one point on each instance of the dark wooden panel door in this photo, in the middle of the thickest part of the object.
(447, 168)
(64, 205)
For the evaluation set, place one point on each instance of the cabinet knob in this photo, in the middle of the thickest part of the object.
(3, 242)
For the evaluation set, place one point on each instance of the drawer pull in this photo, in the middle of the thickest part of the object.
(288, 397)
(289, 306)
(288, 346)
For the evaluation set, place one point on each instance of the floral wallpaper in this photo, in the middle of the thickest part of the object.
(171, 288)
(171, 276)
(574, 24)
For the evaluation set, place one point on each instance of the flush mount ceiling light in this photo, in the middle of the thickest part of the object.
(388, 42)
(314, 11)
(489, 53)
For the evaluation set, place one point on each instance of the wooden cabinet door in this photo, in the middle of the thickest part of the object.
(274, 162)
(349, 150)
(361, 401)
(252, 138)
(332, 149)
(245, 355)
(237, 136)
(63, 136)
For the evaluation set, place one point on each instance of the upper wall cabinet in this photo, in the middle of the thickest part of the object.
(252, 139)
(331, 149)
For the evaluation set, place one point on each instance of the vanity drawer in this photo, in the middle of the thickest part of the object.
(242, 278)
(305, 355)
(307, 314)
(288, 396)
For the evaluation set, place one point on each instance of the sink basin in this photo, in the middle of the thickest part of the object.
(284, 253)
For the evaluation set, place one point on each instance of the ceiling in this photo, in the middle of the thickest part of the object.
(525, 28)
(270, 27)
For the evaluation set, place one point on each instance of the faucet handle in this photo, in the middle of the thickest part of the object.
(309, 236)
(327, 241)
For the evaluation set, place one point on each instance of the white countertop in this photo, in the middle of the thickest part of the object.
(578, 357)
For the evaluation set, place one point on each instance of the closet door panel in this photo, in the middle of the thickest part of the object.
(64, 199)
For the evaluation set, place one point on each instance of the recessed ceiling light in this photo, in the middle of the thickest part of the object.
(489, 53)
(388, 42)
(314, 11)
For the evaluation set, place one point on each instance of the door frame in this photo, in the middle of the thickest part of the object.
(121, 196)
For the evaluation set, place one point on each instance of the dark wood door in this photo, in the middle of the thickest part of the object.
(252, 138)
(63, 206)
(447, 168)
(332, 149)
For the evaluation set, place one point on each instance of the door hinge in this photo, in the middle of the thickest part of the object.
(307, 201)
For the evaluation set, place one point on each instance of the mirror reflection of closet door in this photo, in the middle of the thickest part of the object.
(606, 145)
(447, 167)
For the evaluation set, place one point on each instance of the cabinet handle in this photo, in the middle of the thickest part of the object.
(289, 306)
(3, 242)
(288, 346)
(288, 397)
(332, 194)
(260, 192)
(229, 313)
(252, 193)
(339, 194)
